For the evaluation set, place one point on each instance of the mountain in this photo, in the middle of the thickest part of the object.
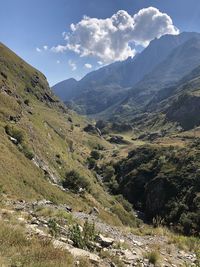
(106, 87)
(179, 63)
(65, 89)
(180, 103)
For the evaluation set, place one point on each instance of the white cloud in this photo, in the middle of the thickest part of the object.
(38, 49)
(88, 66)
(58, 61)
(59, 48)
(114, 38)
(72, 65)
(45, 47)
(100, 63)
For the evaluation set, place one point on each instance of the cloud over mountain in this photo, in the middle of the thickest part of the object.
(88, 66)
(114, 38)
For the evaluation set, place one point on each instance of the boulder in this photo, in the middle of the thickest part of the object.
(104, 241)
(77, 252)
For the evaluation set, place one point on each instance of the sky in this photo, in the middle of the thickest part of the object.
(69, 38)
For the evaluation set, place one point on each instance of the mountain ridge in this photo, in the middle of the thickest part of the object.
(116, 79)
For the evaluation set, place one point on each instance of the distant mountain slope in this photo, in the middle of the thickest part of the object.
(178, 64)
(65, 89)
(105, 87)
(183, 102)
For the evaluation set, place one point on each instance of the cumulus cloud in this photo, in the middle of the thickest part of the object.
(38, 49)
(45, 47)
(114, 38)
(72, 64)
(88, 66)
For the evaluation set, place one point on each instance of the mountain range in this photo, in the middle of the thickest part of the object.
(125, 88)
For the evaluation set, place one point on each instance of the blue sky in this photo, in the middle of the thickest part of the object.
(30, 24)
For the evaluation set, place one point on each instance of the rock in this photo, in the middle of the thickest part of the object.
(15, 118)
(94, 211)
(14, 140)
(21, 219)
(68, 208)
(80, 228)
(44, 202)
(137, 243)
(77, 252)
(4, 75)
(66, 240)
(105, 241)
(118, 140)
(112, 264)
(129, 256)
(19, 207)
(92, 129)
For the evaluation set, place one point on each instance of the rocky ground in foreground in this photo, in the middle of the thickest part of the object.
(113, 246)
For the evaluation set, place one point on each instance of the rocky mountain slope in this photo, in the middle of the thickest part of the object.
(41, 140)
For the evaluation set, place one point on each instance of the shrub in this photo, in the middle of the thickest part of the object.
(76, 236)
(153, 257)
(91, 163)
(109, 172)
(53, 227)
(74, 181)
(83, 238)
(158, 221)
(27, 152)
(95, 155)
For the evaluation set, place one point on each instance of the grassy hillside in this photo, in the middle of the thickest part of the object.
(41, 140)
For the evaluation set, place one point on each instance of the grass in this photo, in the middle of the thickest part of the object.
(153, 257)
(112, 258)
(185, 243)
(55, 214)
(47, 133)
(17, 250)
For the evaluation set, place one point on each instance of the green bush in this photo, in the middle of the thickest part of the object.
(27, 152)
(74, 182)
(83, 238)
(91, 163)
(95, 155)
(153, 257)
(108, 173)
(53, 227)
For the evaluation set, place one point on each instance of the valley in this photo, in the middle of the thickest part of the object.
(118, 187)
